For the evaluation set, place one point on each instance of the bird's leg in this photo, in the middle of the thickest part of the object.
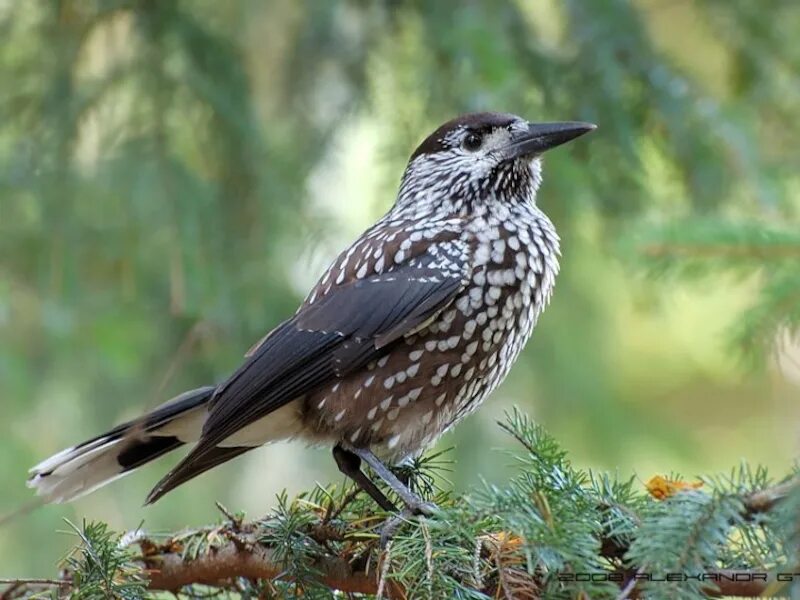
(349, 460)
(349, 463)
(415, 504)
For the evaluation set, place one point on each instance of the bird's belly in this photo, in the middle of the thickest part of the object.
(463, 369)
(281, 424)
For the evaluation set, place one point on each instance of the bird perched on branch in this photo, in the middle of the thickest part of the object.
(406, 333)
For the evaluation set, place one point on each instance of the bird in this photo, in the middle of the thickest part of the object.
(405, 334)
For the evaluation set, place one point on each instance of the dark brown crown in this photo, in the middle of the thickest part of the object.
(479, 122)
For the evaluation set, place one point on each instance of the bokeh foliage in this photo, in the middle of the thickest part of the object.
(173, 175)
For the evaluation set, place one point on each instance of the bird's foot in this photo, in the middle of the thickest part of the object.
(349, 458)
(389, 527)
(391, 524)
(404, 473)
(420, 507)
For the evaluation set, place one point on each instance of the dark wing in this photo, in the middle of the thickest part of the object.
(382, 308)
(340, 332)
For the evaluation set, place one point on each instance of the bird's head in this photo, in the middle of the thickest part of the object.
(481, 157)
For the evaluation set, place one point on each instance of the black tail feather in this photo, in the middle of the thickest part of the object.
(79, 470)
(186, 471)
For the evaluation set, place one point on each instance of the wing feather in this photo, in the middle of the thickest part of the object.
(342, 331)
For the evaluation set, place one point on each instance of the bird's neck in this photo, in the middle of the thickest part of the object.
(430, 204)
(433, 192)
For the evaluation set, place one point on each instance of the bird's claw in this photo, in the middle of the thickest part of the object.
(423, 508)
(392, 523)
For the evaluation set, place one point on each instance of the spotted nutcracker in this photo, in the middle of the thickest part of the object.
(406, 333)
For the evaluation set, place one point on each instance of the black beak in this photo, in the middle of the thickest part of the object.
(544, 136)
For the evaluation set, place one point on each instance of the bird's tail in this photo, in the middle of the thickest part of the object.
(81, 469)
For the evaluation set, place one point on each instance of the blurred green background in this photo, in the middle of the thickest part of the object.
(175, 174)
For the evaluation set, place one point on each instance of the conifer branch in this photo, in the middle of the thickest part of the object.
(243, 556)
(540, 535)
(17, 588)
(238, 553)
(719, 250)
(220, 567)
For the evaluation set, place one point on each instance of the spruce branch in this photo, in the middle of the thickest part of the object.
(687, 245)
(552, 531)
(170, 571)
(505, 571)
(18, 588)
(678, 250)
(698, 248)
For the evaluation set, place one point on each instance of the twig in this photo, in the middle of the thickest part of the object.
(21, 511)
(195, 333)
(332, 513)
(627, 590)
(24, 581)
(236, 522)
(747, 589)
(720, 250)
(170, 571)
(17, 588)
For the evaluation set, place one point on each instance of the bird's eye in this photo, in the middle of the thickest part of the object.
(472, 142)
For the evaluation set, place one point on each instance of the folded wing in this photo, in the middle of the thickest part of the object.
(341, 332)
